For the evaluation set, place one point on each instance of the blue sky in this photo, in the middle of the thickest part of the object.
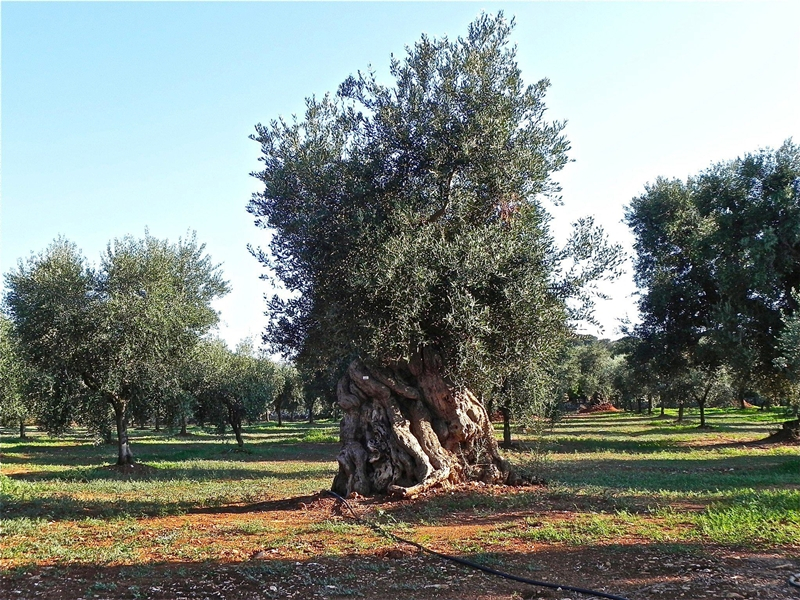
(121, 116)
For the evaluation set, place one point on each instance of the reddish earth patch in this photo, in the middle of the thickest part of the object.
(323, 563)
(603, 407)
(638, 573)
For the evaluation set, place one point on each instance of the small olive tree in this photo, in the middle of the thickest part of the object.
(17, 381)
(232, 387)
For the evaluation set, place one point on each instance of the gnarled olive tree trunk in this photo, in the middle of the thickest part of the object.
(407, 428)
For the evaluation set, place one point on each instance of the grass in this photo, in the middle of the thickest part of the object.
(69, 478)
(611, 479)
(663, 481)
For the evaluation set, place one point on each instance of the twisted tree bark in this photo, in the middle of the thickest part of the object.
(407, 428)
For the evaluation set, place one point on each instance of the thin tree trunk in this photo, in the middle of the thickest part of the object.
(183, 423)
(125, 456)
(639, 405)
(235, 419)
(310, 408)
(662, 407)
(158, 420)
(406, 428)
(649, 405)
(680, 411)
(237, 430)
(22, 434)
(506, 427)
(701, 402)
(280, 418)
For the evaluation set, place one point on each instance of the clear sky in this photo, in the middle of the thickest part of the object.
(121, 116)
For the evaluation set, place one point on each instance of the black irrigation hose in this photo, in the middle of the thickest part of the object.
(468, 563)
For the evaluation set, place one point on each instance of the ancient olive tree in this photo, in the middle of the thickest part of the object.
(103, 337)
(407, 221)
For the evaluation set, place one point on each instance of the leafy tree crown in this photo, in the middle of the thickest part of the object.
(411, 214)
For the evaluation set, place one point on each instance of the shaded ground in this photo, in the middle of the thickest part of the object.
(709, 576)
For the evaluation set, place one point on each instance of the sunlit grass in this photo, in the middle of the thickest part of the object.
(609, 478)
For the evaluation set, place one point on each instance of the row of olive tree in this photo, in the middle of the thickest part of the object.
(126, 340)
(718, 263)
(233, 387)
(595, 371)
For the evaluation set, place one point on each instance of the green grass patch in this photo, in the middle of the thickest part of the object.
(609, 477)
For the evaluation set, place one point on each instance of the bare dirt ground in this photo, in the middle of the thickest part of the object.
(312, 569)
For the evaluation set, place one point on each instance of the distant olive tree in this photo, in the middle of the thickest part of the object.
(788, 361)
(290, 394)
(17, 396)
(717, 259)
(232, 387)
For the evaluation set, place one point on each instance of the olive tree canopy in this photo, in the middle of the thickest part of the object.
(718, 262)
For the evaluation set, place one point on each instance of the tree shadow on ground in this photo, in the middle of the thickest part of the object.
(88, 455)
(148, 472)
(64, 507)
(606, 445)
(641, 571)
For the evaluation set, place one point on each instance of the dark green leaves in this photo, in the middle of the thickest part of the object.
(118, 331)
(411, 214)
(718, 257)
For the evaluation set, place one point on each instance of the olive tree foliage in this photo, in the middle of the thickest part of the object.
(636, 378)
(289, 395)
(717, 258)
(788, 361)
(407, 221)
(104, 336)
(232, 387)
(16, 378)
(594, 370)
(319, 392)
